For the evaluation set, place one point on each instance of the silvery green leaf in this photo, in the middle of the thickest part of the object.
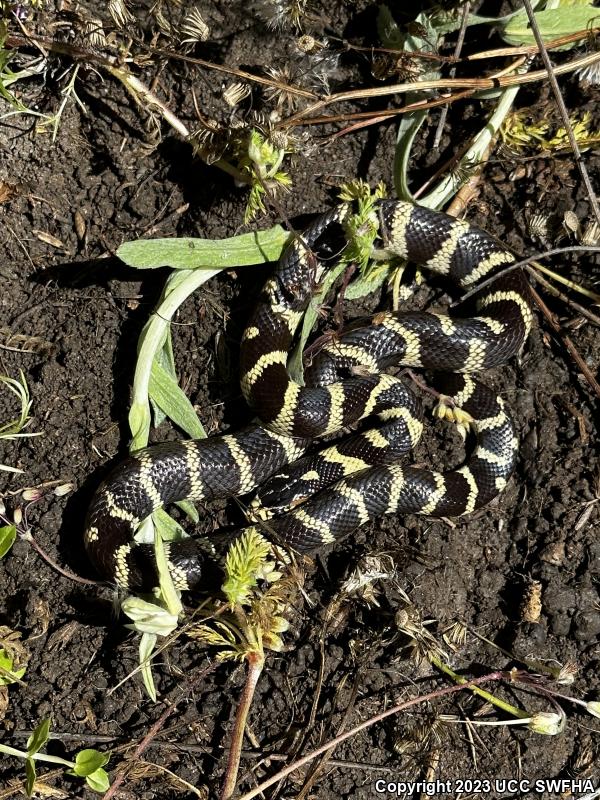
(148, 617)
(246, 249)
(552, 23)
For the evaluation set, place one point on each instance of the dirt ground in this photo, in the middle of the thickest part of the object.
(523, 573)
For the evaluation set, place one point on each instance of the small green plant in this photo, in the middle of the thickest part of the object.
(8, 534)
(88, 764)
(13, 429)
(262, 163)
(251, 622)
(9, 672)
(68, 95)
(519, 134)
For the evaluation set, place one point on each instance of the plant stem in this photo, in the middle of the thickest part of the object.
(256, 662)
(495, 701)
(492, 676)
(179, 286)
(12, 751)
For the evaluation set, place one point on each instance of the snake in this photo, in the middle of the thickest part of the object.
(315, 498)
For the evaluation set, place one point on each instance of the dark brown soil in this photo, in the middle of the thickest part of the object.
(102, 182)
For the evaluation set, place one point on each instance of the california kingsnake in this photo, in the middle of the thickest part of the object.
(354, 481)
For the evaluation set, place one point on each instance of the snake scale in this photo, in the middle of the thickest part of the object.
(330, 493)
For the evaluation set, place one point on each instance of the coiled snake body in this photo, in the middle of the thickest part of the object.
(351, 483)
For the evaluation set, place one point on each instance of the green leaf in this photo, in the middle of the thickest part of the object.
(39, 737)
(246, 249)
(139, 424)
(30, 776)
(363, 285)
(552, 24)
(98, 781)
(168, 592)
(8, 534)
(169, 529)
(295, 367)
(166, 360)
(146, 649)
(8, 674)
(149, 617)
(189, 509)
(88, 761)
(169, 397)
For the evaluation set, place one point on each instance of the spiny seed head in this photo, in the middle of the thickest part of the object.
(538, 225)
(567, 673)
(193, 28)
(589, 75)
(456, 633)
(93, 33)
(121, 15)
(235, 93)
(283, 98)
(591, 234)
(281, 14)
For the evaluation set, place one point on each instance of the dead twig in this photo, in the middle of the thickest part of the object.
(474, 84)
(448, 690)
(577, 357)
(562, 296)
(457, 50)
(552, 72)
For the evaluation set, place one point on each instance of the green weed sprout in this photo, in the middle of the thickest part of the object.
(262, 163)
(9, 672)
(14, 428)
(88, 764)
(250, 624)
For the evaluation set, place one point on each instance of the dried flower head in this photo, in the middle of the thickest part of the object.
(308, 45)
(281, 14)
(421, 644)
(368, 571)
(591, 234)
(121, 15)
(538, 226)
(236, 92)
(284, 100)
(589, 75)
(93, 33)
(193, 28)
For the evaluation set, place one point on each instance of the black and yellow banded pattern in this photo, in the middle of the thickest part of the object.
(351, 482)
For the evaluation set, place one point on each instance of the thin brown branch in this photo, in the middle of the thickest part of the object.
(457, 51)
(577, 357)
(585, 312)
(552, 72)
(474, 84)
(155, 728)
(448, 690)
(326, 757)
(501, 52)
